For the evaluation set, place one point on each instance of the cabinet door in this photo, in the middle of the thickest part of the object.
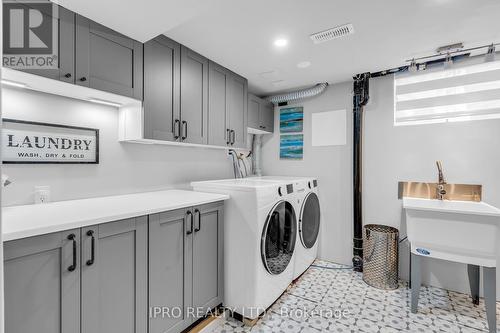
(267, 116)
(208, 256)
(114, 277)
(218, 99)
(253, 111)
(194, 96)
(65, 43)
(107, 60)
(162, 89)
(170, 270)
(42, 290)
(238, 110)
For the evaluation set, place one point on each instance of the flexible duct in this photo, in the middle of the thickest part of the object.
(299, 94)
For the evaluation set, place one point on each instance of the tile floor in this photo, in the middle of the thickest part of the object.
(316, 302)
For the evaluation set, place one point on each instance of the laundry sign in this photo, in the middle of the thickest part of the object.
(32, 142)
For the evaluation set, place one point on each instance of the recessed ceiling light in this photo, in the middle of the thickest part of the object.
(280, 42)
(304, 64)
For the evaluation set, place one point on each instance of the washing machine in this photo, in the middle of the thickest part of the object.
(260, 237)
(309, 219)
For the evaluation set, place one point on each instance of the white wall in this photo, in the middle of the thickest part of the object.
(331, 165)
(469, 151)
(123, 167)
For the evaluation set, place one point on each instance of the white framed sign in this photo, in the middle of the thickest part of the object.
(40, 143)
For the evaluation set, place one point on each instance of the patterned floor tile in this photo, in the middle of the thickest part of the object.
(327, 298)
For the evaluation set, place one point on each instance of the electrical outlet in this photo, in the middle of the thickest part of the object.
(42, 194)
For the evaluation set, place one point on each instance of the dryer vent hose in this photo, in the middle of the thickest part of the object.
(299, 94)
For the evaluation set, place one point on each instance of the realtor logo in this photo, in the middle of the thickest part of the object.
(30, 35)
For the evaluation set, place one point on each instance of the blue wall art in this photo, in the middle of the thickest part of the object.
(292, 146)
(291, 119)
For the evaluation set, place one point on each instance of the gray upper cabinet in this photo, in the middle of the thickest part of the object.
(42, 284)
(114, 277)
(170, 269)
(238, 101)
(260, 114)
(218, 109)
(254, 111)
(162, 89)
(107, 60)
(194, 97)
(208, 256)
(66, 44)
(267, 117)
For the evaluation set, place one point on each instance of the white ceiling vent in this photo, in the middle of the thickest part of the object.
(333, 33)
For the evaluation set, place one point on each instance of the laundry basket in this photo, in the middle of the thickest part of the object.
(380, 256)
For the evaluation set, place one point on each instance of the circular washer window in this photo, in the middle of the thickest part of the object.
(278, 237)
(310, 218)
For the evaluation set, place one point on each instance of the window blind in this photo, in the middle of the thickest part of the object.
(467, 91)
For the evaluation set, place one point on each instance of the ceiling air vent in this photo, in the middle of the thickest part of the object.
(333, 33)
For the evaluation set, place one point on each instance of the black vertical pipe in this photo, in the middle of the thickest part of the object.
(360, 98)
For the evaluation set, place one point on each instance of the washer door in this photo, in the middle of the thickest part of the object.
(278, 237)
(309, 220)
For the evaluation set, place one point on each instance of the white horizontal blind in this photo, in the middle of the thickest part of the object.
(467, 91)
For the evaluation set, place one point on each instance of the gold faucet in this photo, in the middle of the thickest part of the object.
(441, 190)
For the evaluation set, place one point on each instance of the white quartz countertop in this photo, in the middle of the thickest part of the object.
(460, 207)
(32, 220)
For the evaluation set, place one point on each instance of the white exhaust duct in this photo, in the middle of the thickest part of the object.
(299, 94)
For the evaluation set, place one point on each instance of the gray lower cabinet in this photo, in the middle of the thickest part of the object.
(194, 97)
(162, 89)
(89, 280)
(114, 277)
(42, 284)
(260, 114)
(185, 266)
(107, 60)
(65, 43)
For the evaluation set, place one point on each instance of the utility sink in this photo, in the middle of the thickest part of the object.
(460, 231)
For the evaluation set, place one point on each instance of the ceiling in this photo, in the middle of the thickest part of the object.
(239, 34)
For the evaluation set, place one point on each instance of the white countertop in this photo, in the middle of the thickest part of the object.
(31, 220)
(449, 206)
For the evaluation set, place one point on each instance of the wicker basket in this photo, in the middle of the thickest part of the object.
(380, 260)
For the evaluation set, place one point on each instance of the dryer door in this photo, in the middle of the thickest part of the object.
(309, 220)
(278, 237)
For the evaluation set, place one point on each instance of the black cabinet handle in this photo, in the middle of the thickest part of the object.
(67, 75)
(190, 215)
(228, 135)
(198, 213)
(72, 237)
(83, 79)
(185, 130)
(233, 137)
(177, 128)
(90, 262)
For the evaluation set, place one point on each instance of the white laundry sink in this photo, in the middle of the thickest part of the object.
(460, 231)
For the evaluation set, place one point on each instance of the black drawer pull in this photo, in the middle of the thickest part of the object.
(83, 79)
(190, 215)
(185, 130)
(90, 262)
(67, 75)
(177, 128)
(197, 213)
(72, 237)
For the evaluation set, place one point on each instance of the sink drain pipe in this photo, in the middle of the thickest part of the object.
(360, 98)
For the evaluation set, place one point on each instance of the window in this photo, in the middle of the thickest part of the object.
(468, 91)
